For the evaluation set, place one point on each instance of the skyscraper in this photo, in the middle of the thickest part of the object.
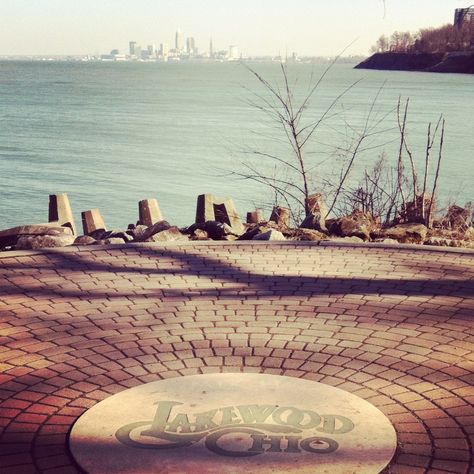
(132, 47)
(211, 49)
(179, 41)
(190, 46)
(233, 53)
(164, 51)
(151, 49)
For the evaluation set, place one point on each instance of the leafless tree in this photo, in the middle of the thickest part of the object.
(297, 170)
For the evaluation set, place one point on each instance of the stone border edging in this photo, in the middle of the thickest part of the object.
(211, 243)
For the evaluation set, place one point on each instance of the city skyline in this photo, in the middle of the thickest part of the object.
(308, 27)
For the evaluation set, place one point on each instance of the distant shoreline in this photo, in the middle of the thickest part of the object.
(461, 62)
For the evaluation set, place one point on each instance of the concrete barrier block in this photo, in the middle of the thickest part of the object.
(60, 211)
(205, 208)
(281, 216)
(254, 217)
(91, 221)
(149, 212)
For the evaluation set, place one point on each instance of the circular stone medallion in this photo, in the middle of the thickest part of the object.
(233, 423)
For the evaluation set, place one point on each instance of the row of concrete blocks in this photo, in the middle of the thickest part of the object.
(208, 208)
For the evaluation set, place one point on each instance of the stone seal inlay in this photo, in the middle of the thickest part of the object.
(228, 423)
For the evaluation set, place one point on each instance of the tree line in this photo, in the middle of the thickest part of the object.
(443, 39)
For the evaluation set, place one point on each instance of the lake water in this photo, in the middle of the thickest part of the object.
(110, 134)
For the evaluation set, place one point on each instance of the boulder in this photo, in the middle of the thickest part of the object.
(443, 242)
(152, 230)
(9, 237)
(406, 233)
(218, 230)
(168, 235)
(85, 240)
(271, 234)
(387, 241)
(32, 242)
(136, 231)
(358, 224)
(416, 211)
(308, 235)
(118, 234)
(113, 241)
(458, 218)
(349, 240)
(100, 234)
(254, 230)
(199, 234)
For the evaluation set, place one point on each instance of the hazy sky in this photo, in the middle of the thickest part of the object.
(309, 27)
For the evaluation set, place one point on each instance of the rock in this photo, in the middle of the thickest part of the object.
(9, 237)
(32, 242)
(358, 224)
(254, 230)
(387, 241)
(60, 211)
(254, 217)
(406, 233)
(137, 231)
(281, 216)
(199, 234)
(353, 240)
(118, 234)
(230, 238)
(149, 212)
(415, 210)
(100, 234)
(218, 230)
(306, 235)
(271, 234)
(458, 218)
(152, 230)
(85, 240)
(113, 241)
(168, 235)
(469, 233)
(91, 221)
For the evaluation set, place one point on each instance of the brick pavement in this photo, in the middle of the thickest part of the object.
(391, 325)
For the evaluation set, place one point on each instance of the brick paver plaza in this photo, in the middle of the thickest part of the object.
(391, 325)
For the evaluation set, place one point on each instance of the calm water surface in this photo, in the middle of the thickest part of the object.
(110, 134)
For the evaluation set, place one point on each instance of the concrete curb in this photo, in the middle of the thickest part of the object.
(250, 243)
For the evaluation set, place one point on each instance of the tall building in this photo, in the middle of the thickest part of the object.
(211, 49)
(151, 50)
(463, 16)
(233, 53)
(179, 41)
(132, 46)
(190, 46)
(164, 51)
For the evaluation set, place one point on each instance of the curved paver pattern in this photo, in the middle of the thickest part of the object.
(393, 326)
